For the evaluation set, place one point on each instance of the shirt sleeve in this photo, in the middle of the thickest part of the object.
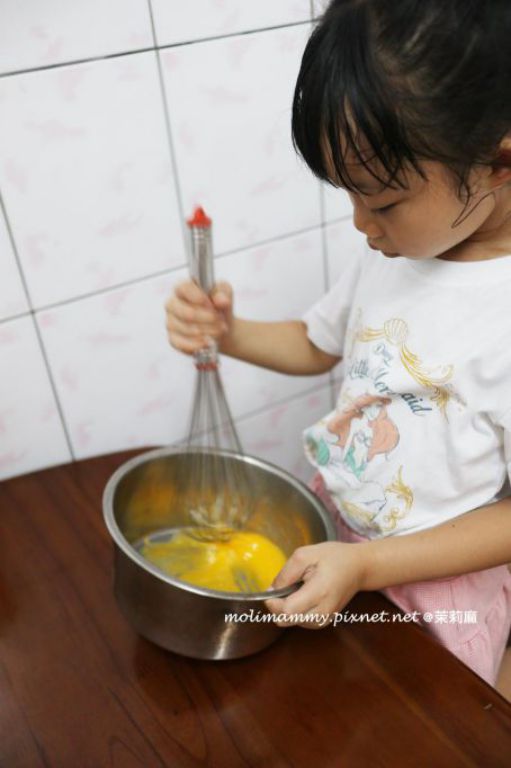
(327, 319)
(504, 421)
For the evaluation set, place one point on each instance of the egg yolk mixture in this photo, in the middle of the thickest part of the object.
(245, 562)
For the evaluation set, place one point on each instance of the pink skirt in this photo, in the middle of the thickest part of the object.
(469, 614)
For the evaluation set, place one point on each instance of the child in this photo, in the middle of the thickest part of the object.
(406, 105)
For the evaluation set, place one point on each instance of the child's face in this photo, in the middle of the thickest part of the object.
(421, 222)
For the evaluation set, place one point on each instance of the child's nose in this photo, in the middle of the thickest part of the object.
(365, 222)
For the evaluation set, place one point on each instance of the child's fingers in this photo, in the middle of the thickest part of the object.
(312, 596)
(191, 313)
(301, 608)
(187, 344)
(295, 568)
(302, 601)
(190, 330)
(191, 293)
(193, 320)
(222, 296)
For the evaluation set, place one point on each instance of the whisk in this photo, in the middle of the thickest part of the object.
(220, 498)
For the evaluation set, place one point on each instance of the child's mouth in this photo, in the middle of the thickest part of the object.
(385, 253)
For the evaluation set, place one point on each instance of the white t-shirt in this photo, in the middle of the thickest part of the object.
(422, 428)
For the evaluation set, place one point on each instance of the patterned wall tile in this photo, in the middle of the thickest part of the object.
(31, 432)
(120, 383)
(276, 434)
(336, 203)
(86, 176)
(13, 300)
(89, 190)
(278, 281)
(231, 126)
(208, 18)
(318, 6)
(344, 244)
(37, 34)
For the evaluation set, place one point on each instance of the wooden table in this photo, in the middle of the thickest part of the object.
(78, 688)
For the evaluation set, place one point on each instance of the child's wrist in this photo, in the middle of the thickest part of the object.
(227, 343)
(371, 576)
(386, 563)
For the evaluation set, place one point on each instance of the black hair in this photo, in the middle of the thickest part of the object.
(416, 79)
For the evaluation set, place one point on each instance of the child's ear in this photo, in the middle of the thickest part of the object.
(501, 166)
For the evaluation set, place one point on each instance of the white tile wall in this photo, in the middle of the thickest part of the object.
(122, 332)
(31, 432)
(209, 18)
(344, 243)
(13, 300)
(254, 186)
(337, 204)
(92, 182)
(318, 6)
(37, 34)
(119, 382)
(86, 175)
(276, 434)
(278, 281)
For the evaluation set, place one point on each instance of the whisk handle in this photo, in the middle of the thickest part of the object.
(200, 252)
(200, 262)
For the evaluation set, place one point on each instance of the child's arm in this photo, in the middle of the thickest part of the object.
(472, 542)
(283, 347)
(192, 317)
(333, 572)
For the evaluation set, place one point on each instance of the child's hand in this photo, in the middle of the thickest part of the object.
(332, 573)
(193, 318)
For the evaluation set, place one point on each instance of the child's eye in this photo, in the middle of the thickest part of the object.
(385, 208)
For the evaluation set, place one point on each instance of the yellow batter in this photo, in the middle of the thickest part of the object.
(245, 562)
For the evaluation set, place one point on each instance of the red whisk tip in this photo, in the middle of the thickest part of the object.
(209, 366)
(199, 219)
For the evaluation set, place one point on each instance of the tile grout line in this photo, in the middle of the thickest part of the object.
(54, 387)
(17, 259)
(239, 419)
(278, 403)
(31, 314)
(12, 318)
(106, 57)
(277, 238)
(166, 114)
(269, 407)
(160, 273)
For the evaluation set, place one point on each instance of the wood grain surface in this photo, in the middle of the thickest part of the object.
(79, 688)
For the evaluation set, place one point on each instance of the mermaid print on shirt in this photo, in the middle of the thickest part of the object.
(356, 447)
(364, 430)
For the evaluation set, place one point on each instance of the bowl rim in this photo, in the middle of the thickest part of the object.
(121, 542)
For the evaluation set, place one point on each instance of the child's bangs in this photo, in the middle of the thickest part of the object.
(345, 115)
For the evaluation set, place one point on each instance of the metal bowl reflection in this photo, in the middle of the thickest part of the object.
(146, 495)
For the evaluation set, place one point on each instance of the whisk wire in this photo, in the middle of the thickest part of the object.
(221, 494)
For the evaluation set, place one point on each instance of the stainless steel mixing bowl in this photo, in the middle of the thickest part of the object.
(146, 495)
